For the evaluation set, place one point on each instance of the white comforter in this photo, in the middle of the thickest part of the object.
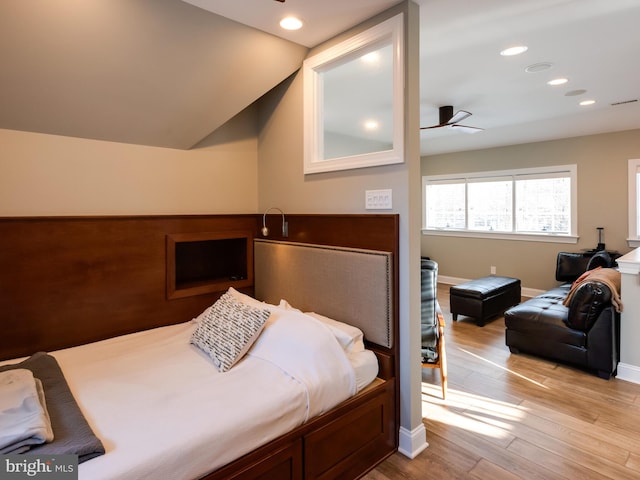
(305, 350)
(162, 409)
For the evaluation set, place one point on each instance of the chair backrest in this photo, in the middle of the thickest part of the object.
(429, 289)
(570, 265)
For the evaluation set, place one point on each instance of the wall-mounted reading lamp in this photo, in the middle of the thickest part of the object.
(285, 224)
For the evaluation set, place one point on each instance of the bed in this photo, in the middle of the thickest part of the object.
(294, 430)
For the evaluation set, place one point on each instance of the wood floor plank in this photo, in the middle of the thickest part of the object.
(479, 445)
(598, 462)
(555, 461)
(486, 470)
(607, 434)
(634, 463)
(571, 434)
(509, 417)
(472, 421)
(451, 454)
(626, 429)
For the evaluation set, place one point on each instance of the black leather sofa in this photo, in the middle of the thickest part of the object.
(585, 334)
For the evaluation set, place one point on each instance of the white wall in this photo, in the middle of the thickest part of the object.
(629, 366)
(53, 175)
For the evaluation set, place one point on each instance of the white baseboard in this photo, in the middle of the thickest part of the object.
(411, 443)
(531, 292)
(630, 373)
(526, 292)
(451, 280)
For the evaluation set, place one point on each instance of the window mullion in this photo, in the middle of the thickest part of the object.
(466, 204)
(513, 204)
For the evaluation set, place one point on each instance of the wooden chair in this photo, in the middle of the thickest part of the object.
(433, 342)
(441, 362)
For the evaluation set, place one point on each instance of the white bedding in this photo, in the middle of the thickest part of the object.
(162, 410)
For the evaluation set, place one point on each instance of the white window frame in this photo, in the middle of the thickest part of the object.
(634, 168)
(571, 237)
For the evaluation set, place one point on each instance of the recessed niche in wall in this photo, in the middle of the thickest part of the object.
(207, 262)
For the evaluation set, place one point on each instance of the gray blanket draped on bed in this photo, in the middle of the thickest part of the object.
(72, 433)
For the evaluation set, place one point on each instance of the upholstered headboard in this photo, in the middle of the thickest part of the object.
(351, 285)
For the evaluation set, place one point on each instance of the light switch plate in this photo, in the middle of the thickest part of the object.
(378, 199)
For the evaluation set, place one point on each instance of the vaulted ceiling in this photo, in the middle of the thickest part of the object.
(149, 72)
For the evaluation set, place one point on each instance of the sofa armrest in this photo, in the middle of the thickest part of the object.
(603, 353)
(587, 302)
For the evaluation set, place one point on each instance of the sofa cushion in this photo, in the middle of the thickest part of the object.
(545, 317)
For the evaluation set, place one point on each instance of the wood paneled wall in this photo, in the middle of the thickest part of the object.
(69, 281)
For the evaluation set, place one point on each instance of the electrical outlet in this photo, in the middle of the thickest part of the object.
(493, 270)
(378, 199)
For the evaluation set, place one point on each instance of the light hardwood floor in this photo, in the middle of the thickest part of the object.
(519, 417)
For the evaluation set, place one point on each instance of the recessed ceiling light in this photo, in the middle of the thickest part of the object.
(538, 67)
(575, 93)
(584, 103)
(371, 57)
(371, 125)
(517, 50)
(557, 81)
(291, 23)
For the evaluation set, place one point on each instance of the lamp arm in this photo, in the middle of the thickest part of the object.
(285, 224)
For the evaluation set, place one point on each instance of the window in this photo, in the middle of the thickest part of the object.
(531, 204)
(634, 203)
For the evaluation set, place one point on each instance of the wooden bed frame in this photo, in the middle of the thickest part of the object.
(70, 281)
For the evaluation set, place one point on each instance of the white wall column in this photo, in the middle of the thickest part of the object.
(629, 366)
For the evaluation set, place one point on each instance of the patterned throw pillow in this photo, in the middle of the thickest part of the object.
(228, 330)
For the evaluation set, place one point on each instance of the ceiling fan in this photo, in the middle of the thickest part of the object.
(449, 119)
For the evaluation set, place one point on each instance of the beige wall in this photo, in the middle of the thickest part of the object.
(283, 184)
(53, 175)
(281, 181)
(602, 202)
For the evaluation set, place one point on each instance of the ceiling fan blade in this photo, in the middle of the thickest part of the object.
(449, 119)
(459, 116)
(466, 128)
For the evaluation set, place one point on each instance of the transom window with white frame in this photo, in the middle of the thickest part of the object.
(532, 203)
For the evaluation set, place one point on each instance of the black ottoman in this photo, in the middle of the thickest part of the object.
(484, 298)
